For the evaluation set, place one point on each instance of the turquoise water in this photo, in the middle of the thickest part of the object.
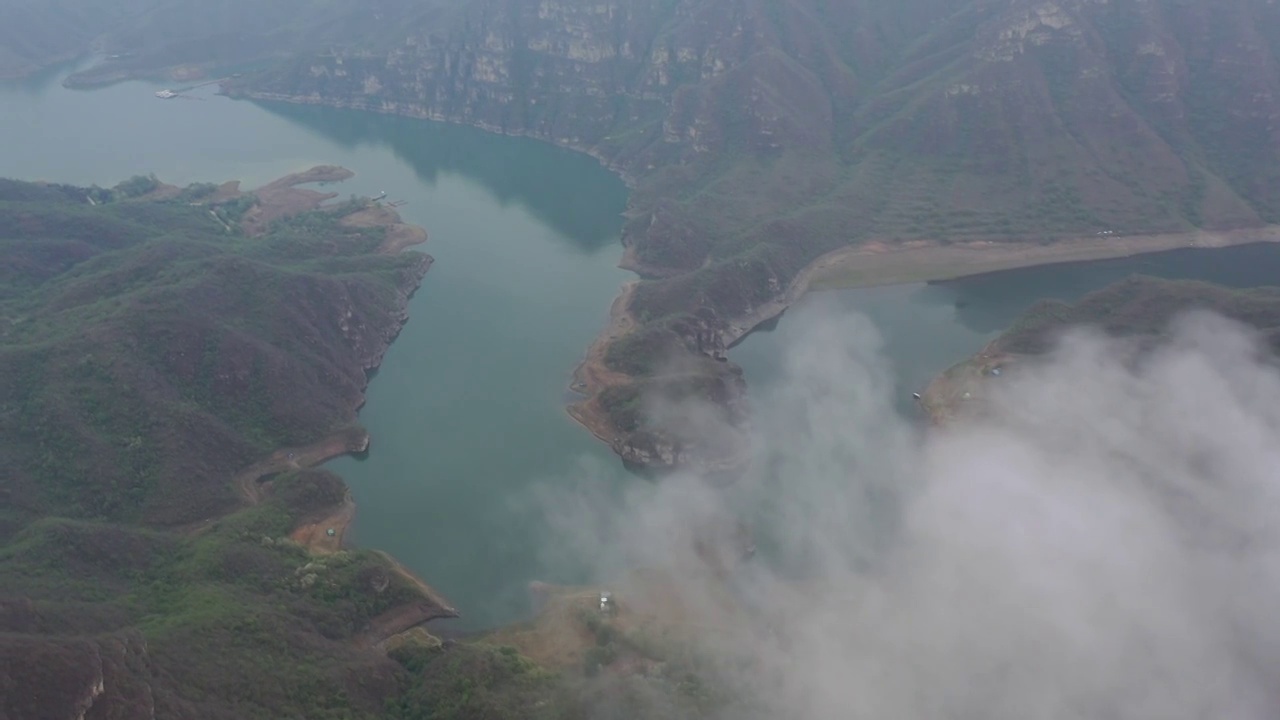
(467, 412)
(927, 328)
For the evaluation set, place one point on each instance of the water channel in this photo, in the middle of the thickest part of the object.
(467, 412)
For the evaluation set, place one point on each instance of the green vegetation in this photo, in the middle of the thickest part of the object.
(979, 122)
(839, 124)
(147, 355)
(1142, 307)
(138, 362)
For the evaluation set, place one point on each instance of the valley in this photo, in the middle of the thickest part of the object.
(177, 361)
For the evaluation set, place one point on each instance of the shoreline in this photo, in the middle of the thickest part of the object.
(878, 264)
(284, 198)
(874, 263)
(592, 376)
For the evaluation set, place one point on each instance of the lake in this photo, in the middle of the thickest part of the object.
(928, 327)
(467, 411)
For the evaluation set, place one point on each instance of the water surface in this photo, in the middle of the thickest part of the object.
(467, 412)
(928, 327)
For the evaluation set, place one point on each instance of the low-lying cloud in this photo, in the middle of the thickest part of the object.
(1103, 543)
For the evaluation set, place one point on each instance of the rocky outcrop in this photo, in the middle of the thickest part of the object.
(759, 135)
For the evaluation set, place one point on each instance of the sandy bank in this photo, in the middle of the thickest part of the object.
(314, 535)
(880, 263)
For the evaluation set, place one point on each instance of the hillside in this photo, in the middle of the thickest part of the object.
(150, 349)
(1138, 309)
(759, 135)
(174, 362)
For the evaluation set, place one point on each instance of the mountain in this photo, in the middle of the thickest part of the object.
(1138, 309)
(154, 352)
(174, 363)
(759, 135)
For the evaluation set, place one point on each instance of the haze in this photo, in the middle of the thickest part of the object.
(1103, 545)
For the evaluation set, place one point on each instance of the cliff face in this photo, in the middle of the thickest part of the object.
(760, 134)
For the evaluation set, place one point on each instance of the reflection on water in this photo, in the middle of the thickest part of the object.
(572, 200)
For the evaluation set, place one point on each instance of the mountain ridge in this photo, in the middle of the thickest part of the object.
(758, 136)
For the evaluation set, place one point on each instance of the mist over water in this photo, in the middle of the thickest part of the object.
(1101, 544)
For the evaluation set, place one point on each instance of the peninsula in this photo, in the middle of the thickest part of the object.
(766, 139)
(174, 362)
(1139, 308)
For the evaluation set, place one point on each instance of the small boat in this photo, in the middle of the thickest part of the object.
(166, 94)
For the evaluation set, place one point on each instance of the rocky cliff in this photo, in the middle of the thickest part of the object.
(758, 135)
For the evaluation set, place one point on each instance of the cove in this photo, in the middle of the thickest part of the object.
(467, 411)
(928, 327)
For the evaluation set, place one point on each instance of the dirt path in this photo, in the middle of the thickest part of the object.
(248, 481)
(593, 376)
(959, 389)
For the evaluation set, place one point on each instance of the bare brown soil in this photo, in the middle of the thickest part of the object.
(283, 198)
(315, 537)
(229, 190)
(399, 234)
(593, 376)
(248, 481)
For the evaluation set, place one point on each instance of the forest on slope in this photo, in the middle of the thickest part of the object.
(759, 135)
(150, 349)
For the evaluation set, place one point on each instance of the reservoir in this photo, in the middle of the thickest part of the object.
(467, 417)
(928, 327)
(467, 411)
